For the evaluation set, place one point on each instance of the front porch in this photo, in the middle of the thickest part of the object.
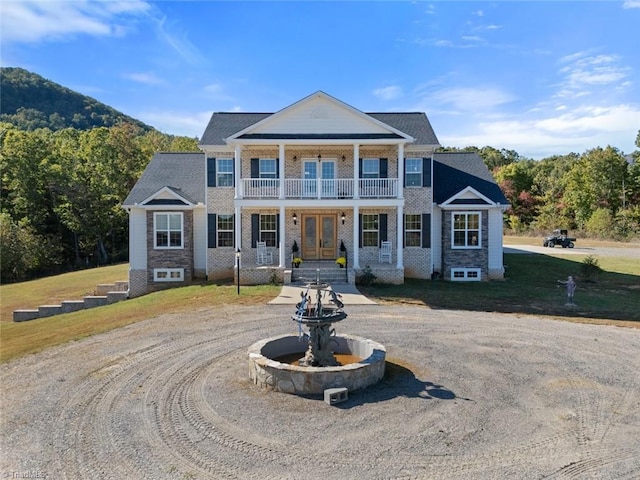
(313, 271)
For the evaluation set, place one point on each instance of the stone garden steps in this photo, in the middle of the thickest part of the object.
(105, 294)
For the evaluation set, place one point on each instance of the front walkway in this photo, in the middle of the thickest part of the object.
(290, 295)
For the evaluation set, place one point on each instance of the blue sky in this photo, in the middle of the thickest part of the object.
(541, 78)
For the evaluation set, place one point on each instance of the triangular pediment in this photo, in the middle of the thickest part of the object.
(469, 196)
(167, 196)
(319, 115)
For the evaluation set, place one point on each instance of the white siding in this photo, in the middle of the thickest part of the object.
(138, 239)
(436, 239)
(495, 240)
(320, 116)
(200, 239)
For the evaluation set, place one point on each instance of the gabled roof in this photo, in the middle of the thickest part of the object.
(180, 174)
(224, 125)
(456, 172)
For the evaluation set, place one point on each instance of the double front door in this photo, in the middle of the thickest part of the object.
(319, 236)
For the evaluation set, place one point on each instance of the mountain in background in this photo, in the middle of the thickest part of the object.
(30, 101)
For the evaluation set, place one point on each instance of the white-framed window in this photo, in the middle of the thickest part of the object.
(268, 168)
(466, 274)
(168, 230)
(224, 172)
(413, 172)
(370, 232)
(370, 168)
(168, 274)
(268, 228)
(413, 230)
(225, 230)
(465, 230)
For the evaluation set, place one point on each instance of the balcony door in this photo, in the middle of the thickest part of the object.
(319, 175)
(319, 237)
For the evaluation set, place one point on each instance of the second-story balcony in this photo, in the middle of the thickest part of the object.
(319, 188)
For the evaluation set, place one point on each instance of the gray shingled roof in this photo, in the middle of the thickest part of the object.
(184, 173)
(455, 171)
(224, 124)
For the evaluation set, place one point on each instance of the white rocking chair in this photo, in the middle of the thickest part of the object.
(263, 256)
(385, 252)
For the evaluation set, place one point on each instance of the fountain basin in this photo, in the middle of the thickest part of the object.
(286, 378)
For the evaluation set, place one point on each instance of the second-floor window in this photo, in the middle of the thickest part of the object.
(370, 168)
(268, 168)
(167, 230)
(224, 172)
(413, 172)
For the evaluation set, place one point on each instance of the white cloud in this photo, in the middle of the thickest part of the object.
(583, 71)
(470, 99)
(32, 21)
(388, 93)
(631, 4)
(478, 13)
(146, 78)
(558, 133)
(177, 123)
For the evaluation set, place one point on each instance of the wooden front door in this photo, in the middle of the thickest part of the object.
(319, 237)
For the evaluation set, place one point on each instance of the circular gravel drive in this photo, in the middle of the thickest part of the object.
(466, 395)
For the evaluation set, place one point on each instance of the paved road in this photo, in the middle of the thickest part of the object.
(623, 252)
(466, 395)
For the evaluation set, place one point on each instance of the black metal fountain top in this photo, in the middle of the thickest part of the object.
(318, 316)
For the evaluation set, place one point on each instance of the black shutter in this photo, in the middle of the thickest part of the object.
(255, 229)
(277, 168)
(426, 230)
(277, 230)
(383, 227)
(211, 172)
(359, 168)
(404, 230)
(255, 168)
(360, 229)
(212, 231)
(384, 168)
(426, 172)
(404, 177)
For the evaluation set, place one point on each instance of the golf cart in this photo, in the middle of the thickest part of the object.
(559, 237)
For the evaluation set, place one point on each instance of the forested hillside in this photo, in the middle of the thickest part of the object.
(30, 101)
(67, 163)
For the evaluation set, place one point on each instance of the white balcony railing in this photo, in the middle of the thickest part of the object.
(320, 188)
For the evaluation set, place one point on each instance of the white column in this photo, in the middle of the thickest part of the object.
(399, 235)
(282, 241)
(238, 225)
(356, 171)
(281, 170)
(237, 170)
(356, 237)
(401, 170)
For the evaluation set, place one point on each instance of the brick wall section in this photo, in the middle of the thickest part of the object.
(170, 258)
(464, 258)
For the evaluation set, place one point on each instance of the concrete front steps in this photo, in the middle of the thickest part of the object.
(105, 294)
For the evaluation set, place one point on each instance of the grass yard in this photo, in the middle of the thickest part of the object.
(531, 287)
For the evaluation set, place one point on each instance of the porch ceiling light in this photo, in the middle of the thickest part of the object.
(295, 218)
(319, 157)
(342, 217)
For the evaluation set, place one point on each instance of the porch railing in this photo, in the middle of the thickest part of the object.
(320, 188)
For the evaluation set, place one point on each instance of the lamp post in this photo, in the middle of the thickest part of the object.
(238, 267)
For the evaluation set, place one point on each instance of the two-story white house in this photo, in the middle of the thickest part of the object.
(336, 181)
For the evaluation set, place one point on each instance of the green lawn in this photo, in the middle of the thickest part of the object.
(531, 287)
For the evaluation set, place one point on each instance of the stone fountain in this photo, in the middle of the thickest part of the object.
(316, 368)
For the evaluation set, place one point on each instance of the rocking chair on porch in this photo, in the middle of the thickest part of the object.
(263, 256)
(385, 252)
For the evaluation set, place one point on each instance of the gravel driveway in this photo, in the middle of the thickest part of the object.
(466, 395)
